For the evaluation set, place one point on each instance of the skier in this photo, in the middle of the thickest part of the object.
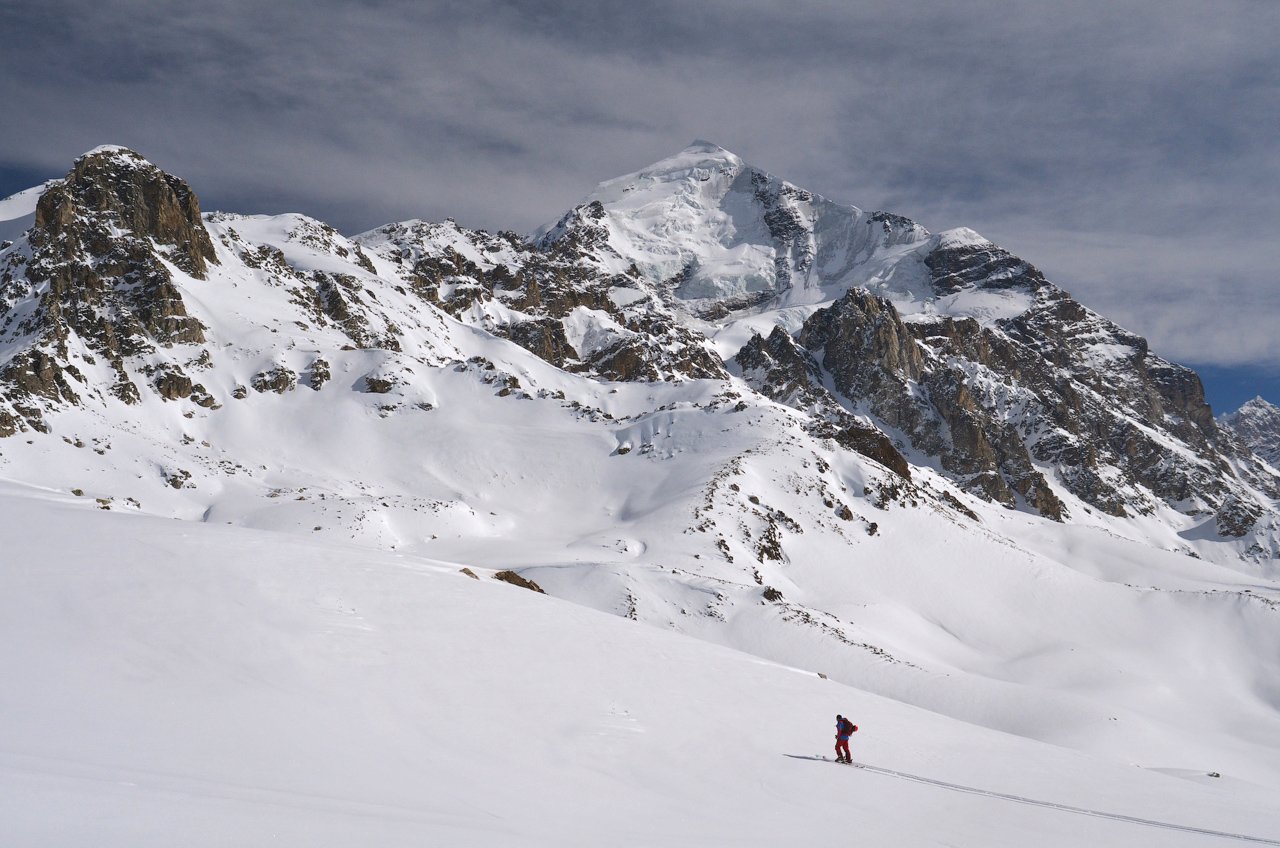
(844, 728)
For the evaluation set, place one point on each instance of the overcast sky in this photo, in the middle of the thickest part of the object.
(1129, 149)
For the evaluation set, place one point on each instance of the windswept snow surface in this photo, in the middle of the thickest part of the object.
(18, 211)
(21, 204)
(170, 683)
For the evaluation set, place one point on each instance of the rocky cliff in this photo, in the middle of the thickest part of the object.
(947, 345)
(94, 279)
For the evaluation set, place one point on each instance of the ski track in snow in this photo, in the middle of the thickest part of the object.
(1066, 808)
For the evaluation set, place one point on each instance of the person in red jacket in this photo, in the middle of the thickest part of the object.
(844, 729)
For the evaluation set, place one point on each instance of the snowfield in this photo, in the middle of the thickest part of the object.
(178, 683)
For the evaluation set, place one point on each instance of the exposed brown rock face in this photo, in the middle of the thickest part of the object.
(545, 284)
(544, 338)
(341, 299)
(378, 385)
(862, 330)
(319, 374)
(278, 379)
(1054, 386)
(516, 580)
(122, 186)
(781, 370)
(35, 372)
(1236, 517)
(876, 358)
(98, 251)
(172, 384)
(952, 269)
(870, 442)
(789, 373)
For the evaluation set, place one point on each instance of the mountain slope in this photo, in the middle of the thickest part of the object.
(252, 688)
(955, 348)
(932, 475)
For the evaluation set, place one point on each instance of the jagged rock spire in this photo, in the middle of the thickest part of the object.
(118, 184)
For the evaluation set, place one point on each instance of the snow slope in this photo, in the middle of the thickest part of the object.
(176, 683)
(18, 211)
(598, 492)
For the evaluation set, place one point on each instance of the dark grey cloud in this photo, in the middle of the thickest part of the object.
(1127, 148)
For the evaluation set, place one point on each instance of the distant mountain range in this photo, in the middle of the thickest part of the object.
(1257, 425)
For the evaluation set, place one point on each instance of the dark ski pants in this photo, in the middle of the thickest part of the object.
(842, 745)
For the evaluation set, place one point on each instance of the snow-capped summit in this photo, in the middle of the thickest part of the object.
(961, 237)
(699, 157)
(719, 237)
(958, 348)
(117, 151)
(720, 233)
(1257, 424)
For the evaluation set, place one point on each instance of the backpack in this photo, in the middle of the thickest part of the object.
(847, 727)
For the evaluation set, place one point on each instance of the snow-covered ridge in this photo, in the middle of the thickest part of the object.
(752, 250)
(582, 300)
(715, 231)
(111, 149)
(740, 251)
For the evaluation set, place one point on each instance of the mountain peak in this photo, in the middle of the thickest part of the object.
(1257, 424)
(701, 145)
(1259, 408)
(107, 148)
(960, 237)
(118, 153)
(697, 156)
(135, 195)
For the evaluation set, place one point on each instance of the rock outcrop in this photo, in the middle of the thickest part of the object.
(554, 300)
(95, 275)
